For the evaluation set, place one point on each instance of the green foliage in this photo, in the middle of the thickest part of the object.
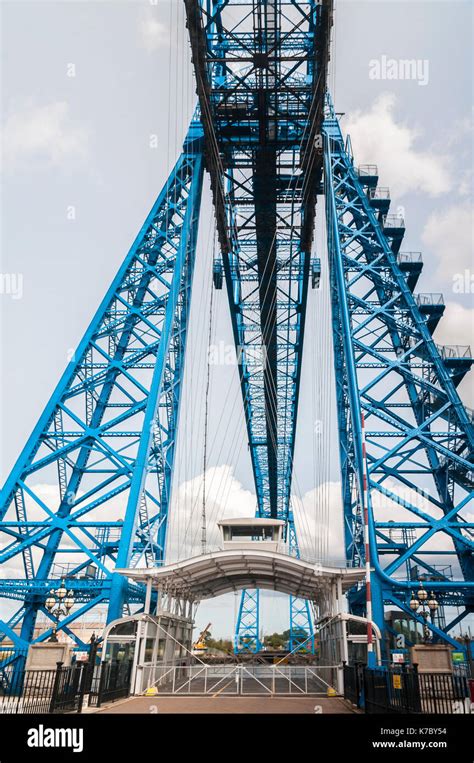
(222, 644)
(276, 640)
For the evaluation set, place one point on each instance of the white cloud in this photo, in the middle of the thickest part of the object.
(48, 494)
(318, 515)
(318, 518)
(450, 237)
(377, 137)
(154, 34)
(457, 327)
(465, 182)
(466, 390)
(45, 134)
(225, 497)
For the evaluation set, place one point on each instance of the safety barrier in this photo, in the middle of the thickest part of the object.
(404, 690)
(239, 679)
(63, 690)
(110, 681)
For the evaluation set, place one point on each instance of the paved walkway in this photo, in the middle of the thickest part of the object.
(212, 705)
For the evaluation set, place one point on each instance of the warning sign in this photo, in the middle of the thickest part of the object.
(398, 657)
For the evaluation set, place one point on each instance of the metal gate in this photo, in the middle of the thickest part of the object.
(110, 681)
(239, 680)
(42, 691)
(404, 690)
(63, 690)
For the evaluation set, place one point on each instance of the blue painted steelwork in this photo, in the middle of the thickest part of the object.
(260, 72)
(419, 436)
(91, 489)
(301, 622)
(247, 635)
(106, 440)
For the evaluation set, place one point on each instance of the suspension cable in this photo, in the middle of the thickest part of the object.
(206, 423)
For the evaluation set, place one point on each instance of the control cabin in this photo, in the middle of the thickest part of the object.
(249, 532)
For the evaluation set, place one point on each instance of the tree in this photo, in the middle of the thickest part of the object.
(275, 640)
(220, 645)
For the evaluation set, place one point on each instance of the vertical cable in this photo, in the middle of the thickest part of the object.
(206, 423)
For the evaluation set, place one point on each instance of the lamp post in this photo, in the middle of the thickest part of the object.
(59, 602)
(424, 606)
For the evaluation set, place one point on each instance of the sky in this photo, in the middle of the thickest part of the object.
(95, 101)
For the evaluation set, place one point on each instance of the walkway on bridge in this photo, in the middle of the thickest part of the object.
(231, 705)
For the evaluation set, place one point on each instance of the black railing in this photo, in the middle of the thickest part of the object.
(41, 691)
(64, 689)
(26, 691)
(402, 689)
(391, 691)
(443, 693)
(68, 692)
(353, 682)
(111, 681)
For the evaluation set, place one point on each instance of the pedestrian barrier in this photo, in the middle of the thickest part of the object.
(65, 689)
(402, 689)
(240, 679)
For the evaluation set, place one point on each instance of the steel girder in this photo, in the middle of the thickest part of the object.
(419, 436)
(261, 72)
(247, 634)
(301, 623)
(91, 489)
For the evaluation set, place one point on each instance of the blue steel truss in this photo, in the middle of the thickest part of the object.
(261, 72)
(247, 635)
(105, 443)
(301, 623)
(301, 638)
(419, 436)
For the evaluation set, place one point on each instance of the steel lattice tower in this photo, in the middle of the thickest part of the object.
(419, 438)
(269, 138)
(107, 436)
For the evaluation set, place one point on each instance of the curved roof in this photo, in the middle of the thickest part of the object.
(219, 572)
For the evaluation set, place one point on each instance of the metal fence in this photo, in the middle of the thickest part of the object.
(444, 693)
(353, 676)
(110, 681)
(239, 679)
(63, 690)
(405, 690)
(26, 691)
(387, 691)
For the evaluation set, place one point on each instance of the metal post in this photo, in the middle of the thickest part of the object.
(103, 670)
(146, 607)
(83, 679)
(57, 679)
(470, 661)
(90, 664)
